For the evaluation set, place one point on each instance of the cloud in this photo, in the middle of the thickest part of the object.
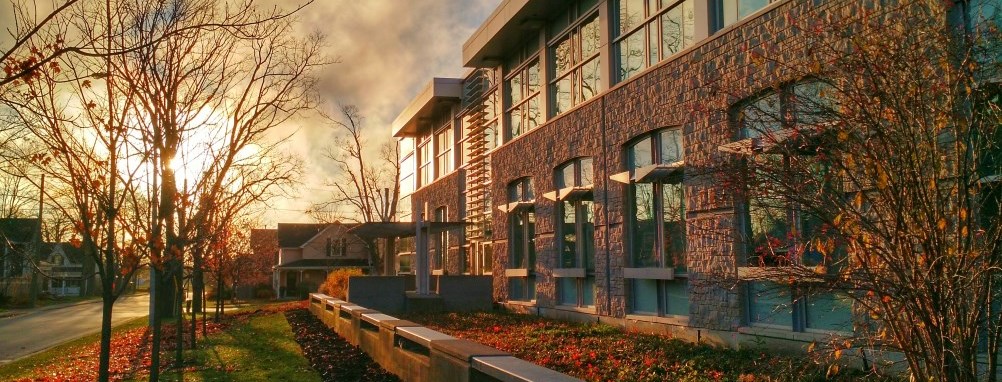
(388, 50)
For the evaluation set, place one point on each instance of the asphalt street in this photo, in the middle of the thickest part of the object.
(38, 330)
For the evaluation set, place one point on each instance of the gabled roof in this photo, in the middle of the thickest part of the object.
(294, 235)
(15, 230)
(72, 253)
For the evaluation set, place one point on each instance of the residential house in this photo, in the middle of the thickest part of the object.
(67, 271)
(308, 252)
(16, 236)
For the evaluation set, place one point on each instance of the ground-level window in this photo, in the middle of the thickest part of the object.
(521, 241)
(440, 254)
(575, 271)
(657, 233)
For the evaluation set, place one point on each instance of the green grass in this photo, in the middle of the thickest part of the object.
(24, 367)
(261, 349)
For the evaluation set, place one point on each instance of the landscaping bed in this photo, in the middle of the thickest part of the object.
(333, 357)
(596, 352)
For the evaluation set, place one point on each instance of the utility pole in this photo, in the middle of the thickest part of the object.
(37, 243)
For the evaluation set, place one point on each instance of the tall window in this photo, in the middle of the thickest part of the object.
(650, 31)
(576, 235)
(522, 87)
(521, 241)
(781, 232)
(441, 241)
(655, 164)
(425, 156)
(443, 151)
(576, 69)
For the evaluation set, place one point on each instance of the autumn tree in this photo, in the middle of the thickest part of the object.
(365, 188)
(870, 173)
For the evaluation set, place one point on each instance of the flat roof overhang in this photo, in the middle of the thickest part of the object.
(503, 30)
(440, 92)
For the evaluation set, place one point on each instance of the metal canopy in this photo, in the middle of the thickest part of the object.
(376, 230)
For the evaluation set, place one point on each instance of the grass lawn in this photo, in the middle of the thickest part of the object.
(253, 344)
(260, 349)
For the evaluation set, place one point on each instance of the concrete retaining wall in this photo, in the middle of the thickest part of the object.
(418, 354)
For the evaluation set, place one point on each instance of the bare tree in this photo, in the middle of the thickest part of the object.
(870, 172)
(367, 188)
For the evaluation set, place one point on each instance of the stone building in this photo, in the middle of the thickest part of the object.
(575, 146)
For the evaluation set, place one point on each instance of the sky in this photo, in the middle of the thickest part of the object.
(388, 50)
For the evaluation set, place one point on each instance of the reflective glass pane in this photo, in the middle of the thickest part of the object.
(827, 311)
(672, 33)
(747, 7)
(761, 116)
(587, 171)
(770, 229)
(515, 89)
(677, 297)
(653, 43)
(640, 154)
(631, 55)
(533, 113)
(586, 216)
(565, 175)
(590, 38)
(770, 303)
(568, 236)
(631, 14)
(590, 76)
(568, 290)
(562, 56)
(562, 97)
(532, 78)
(671, 146)
(588, 292)
(644, 227)
(518, 241)
(517, 288)
(673, 203)
(645, 296)
(515, 118)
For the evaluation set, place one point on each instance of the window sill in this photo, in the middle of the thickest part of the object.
(669, 319)
(569, 272)
(577, 309)
(774, 331)
(517, 272)
(530, 303)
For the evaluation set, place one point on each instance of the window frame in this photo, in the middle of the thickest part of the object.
(574, 33)
(651, 22)
(528, 95)
(582, 271)
(520, 194)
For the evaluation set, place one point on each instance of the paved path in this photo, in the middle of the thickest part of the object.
(38, 330)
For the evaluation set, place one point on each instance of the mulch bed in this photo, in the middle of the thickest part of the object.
(333, 357)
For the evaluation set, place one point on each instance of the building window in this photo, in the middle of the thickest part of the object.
(727, 12)
(779, 231)
(443, 151)
(649, 31)
(576, 68)
(522, 88)
(425, 157)
(657, 241)
(576, 236)
(521, 241)
(440, 254)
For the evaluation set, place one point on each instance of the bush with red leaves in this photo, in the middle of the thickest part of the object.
(333, 357)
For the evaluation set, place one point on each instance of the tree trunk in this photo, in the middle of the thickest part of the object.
(107, 303)
(155, 293)
(179, 319)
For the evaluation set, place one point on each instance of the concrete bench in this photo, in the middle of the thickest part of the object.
(349, 316)
(511, 369)
(374, 339)
(412, 351)
(317, 303)
(330, 312)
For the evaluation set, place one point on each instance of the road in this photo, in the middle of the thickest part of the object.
(39, 330)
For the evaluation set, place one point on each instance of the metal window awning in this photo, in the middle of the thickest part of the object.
(376, 230)
(569, 193)
(801, 138)
(651, 173)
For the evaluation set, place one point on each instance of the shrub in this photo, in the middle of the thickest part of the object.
(336, 284)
